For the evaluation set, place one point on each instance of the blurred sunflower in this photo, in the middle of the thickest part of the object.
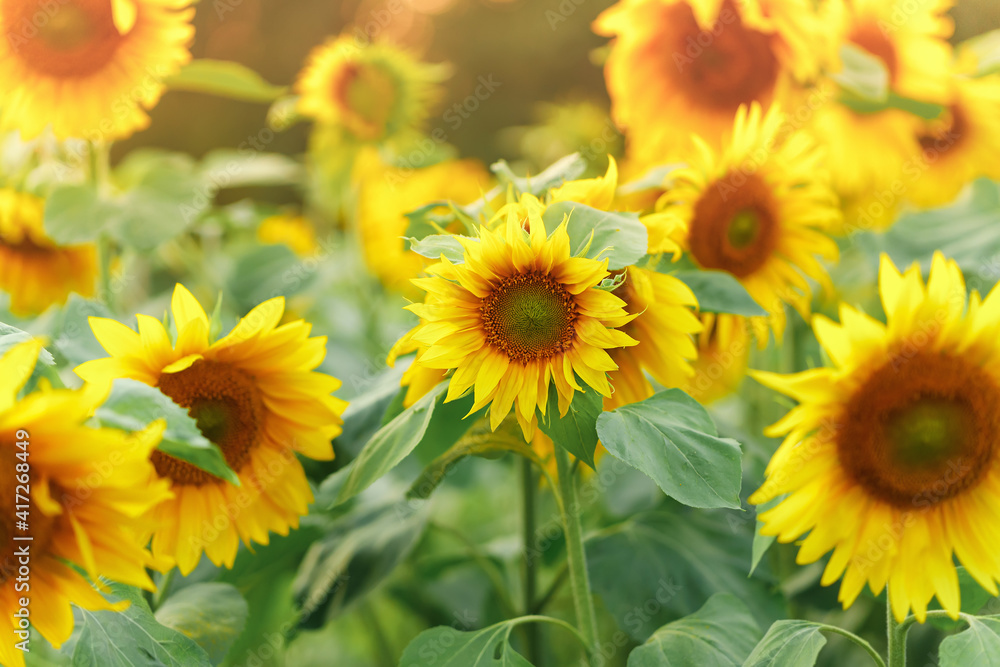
(961, 145)
(759, 211)
(516, 314)
(255, 394)
(89, 68)
(369, 93)
(33, 270)
(723, 349)
(696, 62)
(294, 231)
(86, 504)
(900, 435)
(387, 194)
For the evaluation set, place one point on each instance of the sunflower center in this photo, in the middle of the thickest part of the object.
(229, 411)
(366, 95)
(70, 38)
(872, 39)
(529, 316)
(734, 227)
(725, 66)
(946, 135)
(15, 520)
(921, 429)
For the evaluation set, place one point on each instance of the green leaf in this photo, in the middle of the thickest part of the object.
(675, 561)
(72, 337)
(761, 543)
(212, 614)
(448, 647)
(225, 79)
(76, 214)
(357, 553)
(671, 438)
(986, 48)
(788, 643)
(577, 431)
(618, 236)
(979, 645)
(720, 292)
(568, 168)
(132, 638)
(131, 407)
(721, 634)
(267, 271)
(242, 168)
(864, 76)
(391, 444)
(438, 245)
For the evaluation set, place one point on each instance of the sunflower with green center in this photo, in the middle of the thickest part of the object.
(89, 68)
(368, 93)
(86, 507)
(520, 313)
(256, 394)
(902, 436)
(34, 270)
(760, 211)
(696, 62)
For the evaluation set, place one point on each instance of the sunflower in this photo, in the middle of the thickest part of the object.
(518, 313)
(369, 93)
(723, 350)
(89, 68)
(294, 231)
(256, 395)
(663, 325)
(387, 194)
(33, 270)
(85, 506)
(961, 145)
(901, 436)
(760, 211)
(695, 62)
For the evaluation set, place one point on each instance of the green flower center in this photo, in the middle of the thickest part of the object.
(743, 229)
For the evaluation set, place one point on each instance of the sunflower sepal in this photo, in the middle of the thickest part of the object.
(132, 406)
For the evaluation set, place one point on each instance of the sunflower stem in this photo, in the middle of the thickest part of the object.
(583, 600)
(897, 636)
(530, 571)
(162, 589)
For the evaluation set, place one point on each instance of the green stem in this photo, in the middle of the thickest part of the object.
(530, 570)
(857, 640)
(382, 644)
(104, 252)
(583, 600)
(548, 619)
(896, 633)
(161, 590)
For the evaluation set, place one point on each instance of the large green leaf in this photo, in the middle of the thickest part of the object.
(577, 430)
(438, 245)
(568, 168)
(391, 444)
(212, 614)
(660, 566)
(226, 79)
(448, 647)
(72, 337)
(618, 236)
(226, 168)
(721, 634)
(132, 405)
(76, 214)
(788, 643)
(264, 272)
(671, 438)
(131, 638)
(720, 292)
(979, 645)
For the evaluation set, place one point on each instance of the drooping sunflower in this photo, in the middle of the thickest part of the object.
(760, 211)
(517, 315)
(902, 435)
(86, 503)
(387, 194)
(961, 145)
(723, 351)
(256, 394)
(663, 325)
(369, 92)
(89, 68)
(36, 272)
(696, 62)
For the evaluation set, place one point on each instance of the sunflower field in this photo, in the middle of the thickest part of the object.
(500, 333)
